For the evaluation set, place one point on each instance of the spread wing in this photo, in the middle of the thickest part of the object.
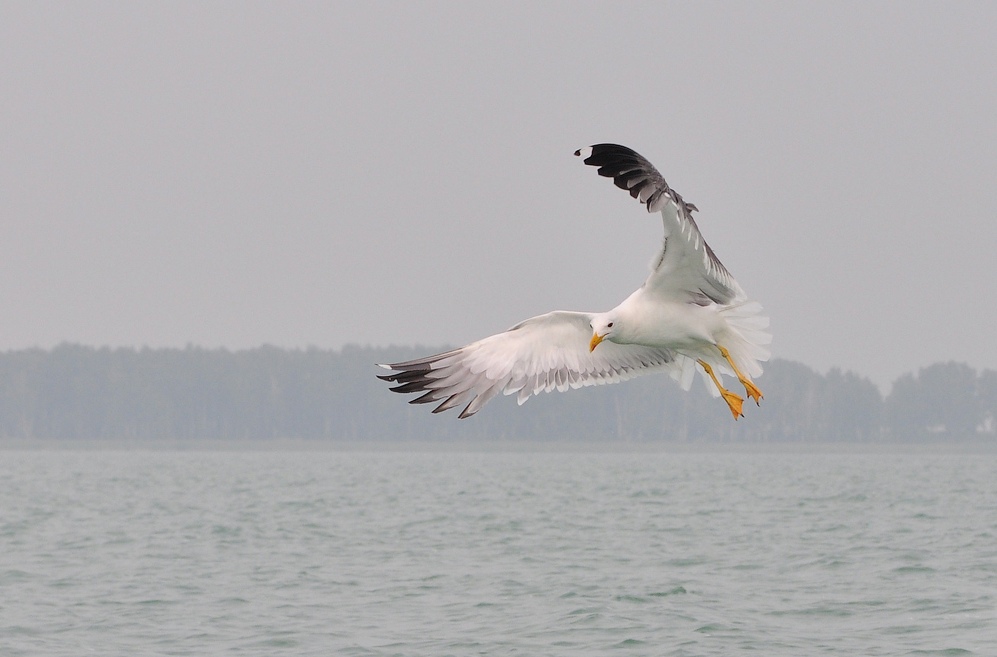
(686, 268)
(541, 354)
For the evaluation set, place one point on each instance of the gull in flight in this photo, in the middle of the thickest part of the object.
(690, 311)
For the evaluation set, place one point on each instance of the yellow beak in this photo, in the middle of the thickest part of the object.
(596, 339)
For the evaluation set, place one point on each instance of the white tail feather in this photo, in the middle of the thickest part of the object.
(748, 339)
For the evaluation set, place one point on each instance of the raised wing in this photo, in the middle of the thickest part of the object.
(686, 266)
(541, 354)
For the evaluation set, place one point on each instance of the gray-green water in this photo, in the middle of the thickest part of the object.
(440, 553)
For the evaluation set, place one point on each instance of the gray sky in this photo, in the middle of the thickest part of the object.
(233, 174)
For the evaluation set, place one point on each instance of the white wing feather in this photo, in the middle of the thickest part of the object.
(541, 354)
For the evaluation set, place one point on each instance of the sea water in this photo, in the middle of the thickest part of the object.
(441, 552)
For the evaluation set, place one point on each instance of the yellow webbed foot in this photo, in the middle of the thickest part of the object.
(749, 388)
(752, 391)
(734, 402)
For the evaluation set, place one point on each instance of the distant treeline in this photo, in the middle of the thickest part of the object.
(193, 394)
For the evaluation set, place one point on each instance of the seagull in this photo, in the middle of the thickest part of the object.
(690, 311)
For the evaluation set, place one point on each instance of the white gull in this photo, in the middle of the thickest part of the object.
(689, 311)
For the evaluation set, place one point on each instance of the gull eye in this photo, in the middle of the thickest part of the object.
(610, 325)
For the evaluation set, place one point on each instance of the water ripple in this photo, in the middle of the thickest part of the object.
(460, 553)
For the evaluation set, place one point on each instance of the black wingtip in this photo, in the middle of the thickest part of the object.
(630, 171)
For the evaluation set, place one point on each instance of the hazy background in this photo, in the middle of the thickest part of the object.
(233, 174)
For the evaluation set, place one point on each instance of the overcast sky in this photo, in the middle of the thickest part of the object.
(234, 174)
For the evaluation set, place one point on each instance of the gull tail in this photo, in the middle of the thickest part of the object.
(749, 338)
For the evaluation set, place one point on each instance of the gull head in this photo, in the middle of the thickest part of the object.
(603, 328)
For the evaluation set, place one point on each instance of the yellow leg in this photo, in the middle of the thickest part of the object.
(733, 401)
(750, 388)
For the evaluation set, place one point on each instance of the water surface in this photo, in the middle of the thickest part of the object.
(439, 552)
